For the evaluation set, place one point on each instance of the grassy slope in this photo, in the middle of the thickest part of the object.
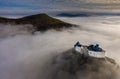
(41, 22)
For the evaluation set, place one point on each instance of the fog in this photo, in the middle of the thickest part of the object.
(103, 30)
(26, 56)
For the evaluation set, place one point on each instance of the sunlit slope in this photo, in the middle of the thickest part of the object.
(40, 22)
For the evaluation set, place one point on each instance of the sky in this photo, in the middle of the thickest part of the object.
(27, 7)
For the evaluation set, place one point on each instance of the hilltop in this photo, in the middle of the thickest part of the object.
(40, 22)
(71, 65)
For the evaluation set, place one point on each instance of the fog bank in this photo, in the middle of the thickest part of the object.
(29, 56)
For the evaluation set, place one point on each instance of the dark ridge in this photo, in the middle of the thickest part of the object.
(85, 14)
(5, 20)
(40, 22)
(74, 15)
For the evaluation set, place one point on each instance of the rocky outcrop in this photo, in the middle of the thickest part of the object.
(72, 65)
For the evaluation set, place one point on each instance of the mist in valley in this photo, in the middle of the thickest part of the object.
(28, 56)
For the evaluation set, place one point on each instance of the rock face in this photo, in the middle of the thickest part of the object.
(72, 65)
(40, 22)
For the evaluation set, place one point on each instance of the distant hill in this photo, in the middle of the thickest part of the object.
(40, 22)
(86, 14)
(73, 15)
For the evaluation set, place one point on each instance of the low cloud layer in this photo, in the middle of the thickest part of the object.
(29, 56)
(103, 30)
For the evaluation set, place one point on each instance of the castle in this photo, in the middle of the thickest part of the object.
(91, 50)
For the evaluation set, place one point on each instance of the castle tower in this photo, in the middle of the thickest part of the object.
(92, 50)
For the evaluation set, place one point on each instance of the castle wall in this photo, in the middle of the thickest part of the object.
(86, 52)
(96, 54)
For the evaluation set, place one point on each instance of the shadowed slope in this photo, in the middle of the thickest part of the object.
(72, 65)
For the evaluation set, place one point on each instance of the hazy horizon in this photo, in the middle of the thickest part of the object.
(17, 8)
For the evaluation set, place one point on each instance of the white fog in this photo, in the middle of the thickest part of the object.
(26, 56)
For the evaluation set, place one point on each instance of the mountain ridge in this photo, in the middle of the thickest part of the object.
(40, 22)
(74, 15)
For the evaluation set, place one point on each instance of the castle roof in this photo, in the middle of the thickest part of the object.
(95, 48)
(91, 47)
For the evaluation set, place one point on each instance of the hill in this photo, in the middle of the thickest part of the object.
(40, 22)
(73, 15)
(71, 65)
(86, 14)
